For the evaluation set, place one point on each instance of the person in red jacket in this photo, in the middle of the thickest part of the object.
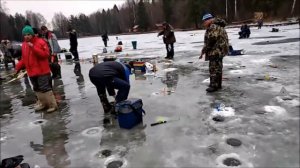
(35, 54)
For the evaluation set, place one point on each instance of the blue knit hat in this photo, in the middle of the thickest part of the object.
(207, 16)
(27, 30)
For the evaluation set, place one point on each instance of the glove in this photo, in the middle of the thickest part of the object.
(14, 75)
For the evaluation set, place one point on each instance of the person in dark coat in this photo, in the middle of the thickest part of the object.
(245, 31)
(169, 39)
(73, 43)
(110, 75)
(105, 38)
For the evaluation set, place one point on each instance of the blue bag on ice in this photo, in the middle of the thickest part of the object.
(130, 112)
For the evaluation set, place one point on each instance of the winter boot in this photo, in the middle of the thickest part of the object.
(51, 102)
(211, 89)
(39, 105)
(220, 81)
(104, 101)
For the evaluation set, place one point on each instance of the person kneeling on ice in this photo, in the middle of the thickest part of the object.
(35, 54)
(110, 75)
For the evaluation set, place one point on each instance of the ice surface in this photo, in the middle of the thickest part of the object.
(266, 123)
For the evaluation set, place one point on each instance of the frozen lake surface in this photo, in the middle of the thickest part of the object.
(258, 126)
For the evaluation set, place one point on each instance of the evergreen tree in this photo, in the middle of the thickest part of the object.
(143, 18)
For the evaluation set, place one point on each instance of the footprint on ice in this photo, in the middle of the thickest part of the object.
(92, 132)
(277, 110)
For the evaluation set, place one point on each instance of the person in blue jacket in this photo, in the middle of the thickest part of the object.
(110, 75)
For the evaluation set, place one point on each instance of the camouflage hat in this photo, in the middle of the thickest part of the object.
(207, 17)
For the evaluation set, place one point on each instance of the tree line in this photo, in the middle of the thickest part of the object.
(181, 14)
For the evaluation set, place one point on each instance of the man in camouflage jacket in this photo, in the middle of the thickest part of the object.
(215, 48)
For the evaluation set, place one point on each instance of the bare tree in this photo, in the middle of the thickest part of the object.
(60, 23)
(293, 6)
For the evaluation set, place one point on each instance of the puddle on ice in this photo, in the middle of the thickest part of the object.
(233, 142)
(92, 132)
(115, 162)
(277, 110)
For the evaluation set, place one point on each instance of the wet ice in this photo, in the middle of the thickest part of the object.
(78, 135)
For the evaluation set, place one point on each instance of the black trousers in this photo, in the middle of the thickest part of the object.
(42, 83)
(74, 52)
(170, 50)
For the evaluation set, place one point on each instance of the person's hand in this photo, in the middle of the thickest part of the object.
(30, 44)
(14, 75)
(201, 56)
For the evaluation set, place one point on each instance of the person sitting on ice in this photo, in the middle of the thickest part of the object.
(233, 52)
(245, 31)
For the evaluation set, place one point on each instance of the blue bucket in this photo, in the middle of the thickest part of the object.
(130, 113)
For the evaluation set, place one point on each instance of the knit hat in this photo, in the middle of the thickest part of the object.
(207, 17)
(27, 30)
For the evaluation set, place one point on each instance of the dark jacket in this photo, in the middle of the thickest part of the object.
(73, 39)
(110, 69)
(168, 35)
(104, 37)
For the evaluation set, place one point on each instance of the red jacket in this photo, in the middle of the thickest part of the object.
(35, 58)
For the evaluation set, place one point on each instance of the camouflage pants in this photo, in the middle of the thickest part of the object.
(215, 70)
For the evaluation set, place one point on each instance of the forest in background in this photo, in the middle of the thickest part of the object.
(181, 14)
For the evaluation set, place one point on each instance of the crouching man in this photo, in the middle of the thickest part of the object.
(110, 75)
(35, 54)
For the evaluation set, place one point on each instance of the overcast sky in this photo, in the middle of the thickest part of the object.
(48, 7)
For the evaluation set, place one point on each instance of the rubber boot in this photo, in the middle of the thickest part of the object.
(104, 101)
(51, 101)
(39, 105)
(219, 81)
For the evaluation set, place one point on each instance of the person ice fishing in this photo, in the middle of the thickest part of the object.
(51, 38)
(35, 54)
(169, 39)
(105, 38)
(7, 50)
(110, 75)
(73, 43)
(215, 48)
(245, 31)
